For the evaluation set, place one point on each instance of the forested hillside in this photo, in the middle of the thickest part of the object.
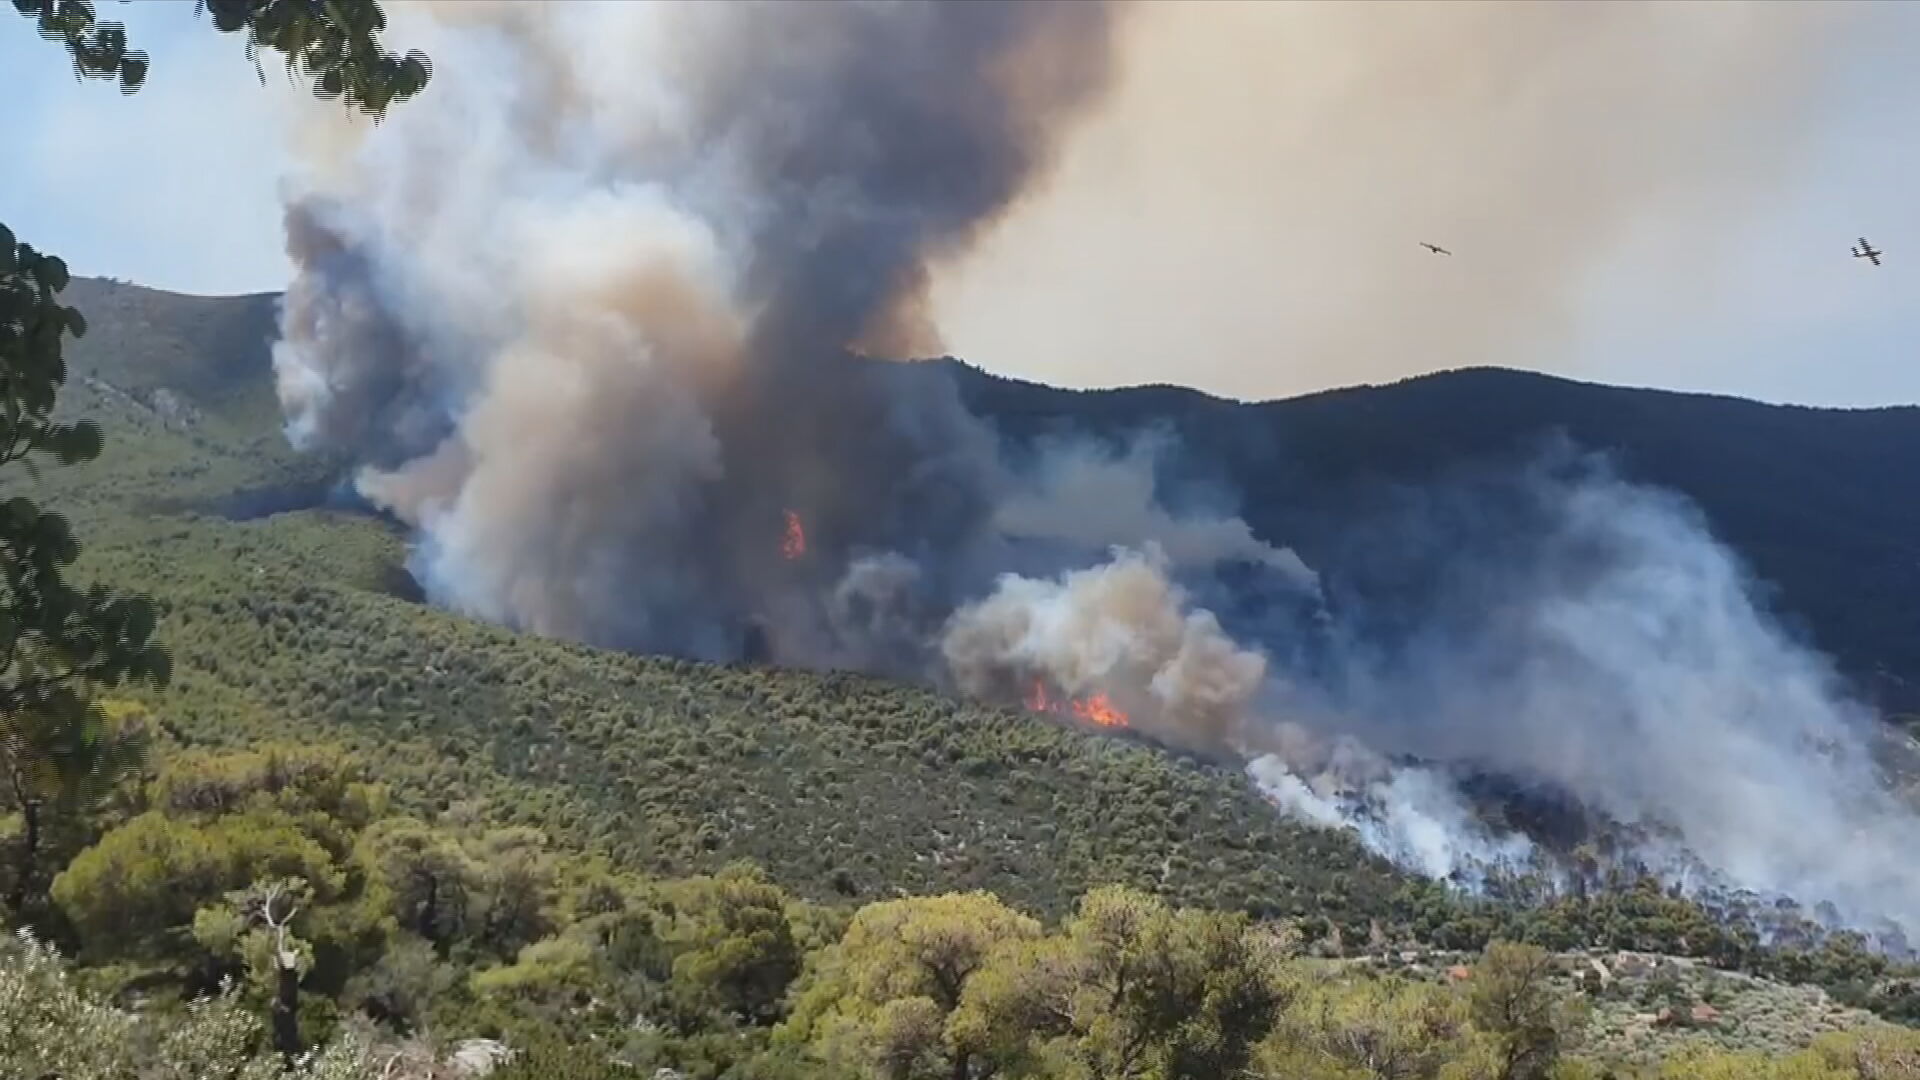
(488, 834)
(288, 625)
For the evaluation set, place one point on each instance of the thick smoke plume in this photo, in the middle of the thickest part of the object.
(588, 315)
(611, 311)
(1122, 629)
(1087, 494)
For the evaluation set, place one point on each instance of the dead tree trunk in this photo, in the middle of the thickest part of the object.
(27, 860)
(286, 983)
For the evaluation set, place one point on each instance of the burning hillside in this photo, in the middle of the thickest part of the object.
(589, 336)
(1096, 709)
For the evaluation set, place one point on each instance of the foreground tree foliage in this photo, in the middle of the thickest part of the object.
(883, 1000)
(334, 45)
(50, 1027)
(1130, 988)
(274, 912)
(1364, 1028)
(60, 644)
(1513, 1001)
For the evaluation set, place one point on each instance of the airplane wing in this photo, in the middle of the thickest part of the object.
(1874, 258)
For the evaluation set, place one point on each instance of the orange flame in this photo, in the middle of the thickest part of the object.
(1098, 709)
(1037, 699)
(794, 543)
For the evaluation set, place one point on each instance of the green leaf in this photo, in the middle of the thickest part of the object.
(227, 18)
(53, 273)
(140, 622)
(133, 72)
(156, 665)
(75, 444)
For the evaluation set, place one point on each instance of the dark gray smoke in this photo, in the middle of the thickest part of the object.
(590, 331)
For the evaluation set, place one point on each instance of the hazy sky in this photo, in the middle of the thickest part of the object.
(1635, 193)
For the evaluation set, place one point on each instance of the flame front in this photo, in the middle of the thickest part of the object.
(793, 543)
(1098, 709)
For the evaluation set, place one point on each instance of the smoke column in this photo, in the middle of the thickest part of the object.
(584, 314)
(1121, 629)
(586, 329)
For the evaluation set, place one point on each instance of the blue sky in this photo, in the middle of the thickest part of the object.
(177, 187)
(174, 186)
(1799, 320)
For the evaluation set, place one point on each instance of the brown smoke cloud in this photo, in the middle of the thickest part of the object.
(583, 311)
(1123, 629)
(1244, 209)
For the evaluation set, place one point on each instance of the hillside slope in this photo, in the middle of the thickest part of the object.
(291, 619)
(295, 625)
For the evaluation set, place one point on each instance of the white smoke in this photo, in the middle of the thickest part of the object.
(879, 616)
(1619, 658)
(1084, 493)
(1124, 630)
(1412, 816)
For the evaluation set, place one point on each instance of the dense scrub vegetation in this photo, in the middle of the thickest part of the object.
(354, 828)
(409, 937)
(449, 831)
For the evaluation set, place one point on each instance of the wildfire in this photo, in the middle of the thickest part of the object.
(793, 543)
(1037, 699)
(1100, 710)
(1097, 709)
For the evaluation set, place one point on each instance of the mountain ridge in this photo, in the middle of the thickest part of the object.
(1420, 377)
(1811, 498)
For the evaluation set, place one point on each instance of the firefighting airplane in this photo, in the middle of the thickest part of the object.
(1435, 248)
(1865, 251)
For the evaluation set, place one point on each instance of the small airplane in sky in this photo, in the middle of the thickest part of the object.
(1865, 251)
(1435, 248)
